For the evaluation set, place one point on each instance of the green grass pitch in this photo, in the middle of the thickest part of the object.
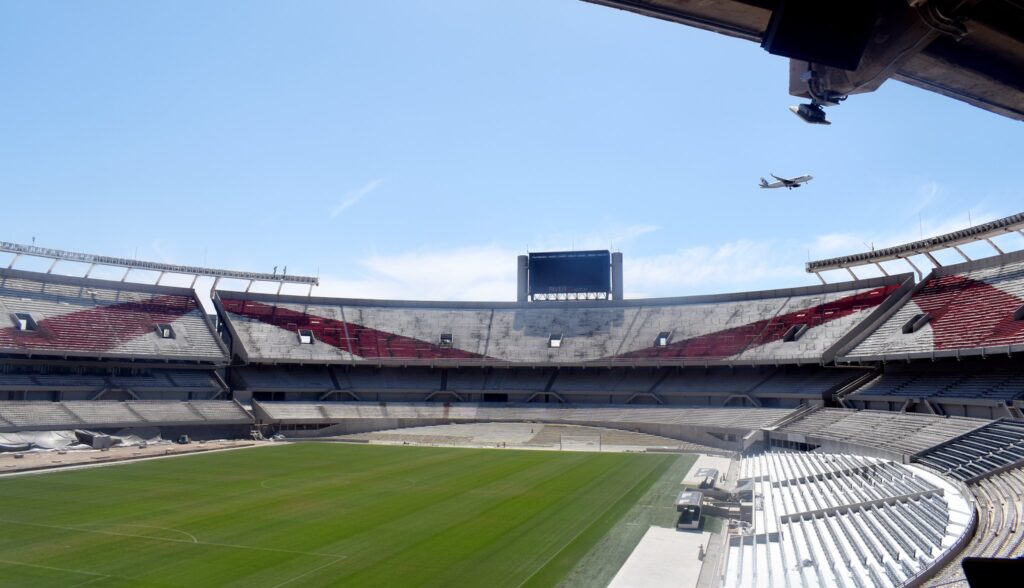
(319, 515)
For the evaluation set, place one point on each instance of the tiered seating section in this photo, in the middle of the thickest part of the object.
(145, 385)
(979, 453)
(971, 308)
(892, 433)
(841, 520)
(79, 317)
(769, 387)
(1000, 502)
(156, 380)
(744, 327)
(28, 415)
(997, 386)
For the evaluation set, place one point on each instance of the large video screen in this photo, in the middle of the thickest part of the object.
(570, 272)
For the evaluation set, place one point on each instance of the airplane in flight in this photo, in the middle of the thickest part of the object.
(786, 183)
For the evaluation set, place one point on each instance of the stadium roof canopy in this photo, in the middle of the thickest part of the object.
(983, 232)
(58, 255)
(971, 50)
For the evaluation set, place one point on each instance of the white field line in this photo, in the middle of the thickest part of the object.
(570, 541)
(306, 573)
(171, 540)
(65, 570)
(89, 581)
(189, 535)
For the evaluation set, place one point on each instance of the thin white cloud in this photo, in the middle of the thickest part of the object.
(613, 237)
(488, 272)
(846, 243)
(471, 273)
(354, 196)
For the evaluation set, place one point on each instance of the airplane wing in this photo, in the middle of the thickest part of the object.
(792, 181)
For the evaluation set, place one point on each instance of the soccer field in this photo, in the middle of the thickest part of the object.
(319, 515)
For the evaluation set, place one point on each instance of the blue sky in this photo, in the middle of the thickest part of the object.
(411, 149)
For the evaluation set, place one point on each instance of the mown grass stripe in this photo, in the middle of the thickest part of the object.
(337, 515)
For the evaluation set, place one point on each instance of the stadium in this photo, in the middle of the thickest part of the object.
(175, 425)
(866, 432)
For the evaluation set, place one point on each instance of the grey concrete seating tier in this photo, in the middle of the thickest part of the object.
(979, 452)
(1000, 533)
(155, 380)
(221, 411)
(743, 327)
(94, 318)
(282, 379)
(994, 386)
(34, 415)
(165, 411)
(905, 433)
(43, 414)
(114, 413)
(858, 521)
(59, 381)
(971, 303)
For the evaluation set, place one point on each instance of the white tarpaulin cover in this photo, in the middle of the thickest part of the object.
(38, 440)
(68, 440)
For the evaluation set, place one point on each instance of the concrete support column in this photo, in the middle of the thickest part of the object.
(522, 278)
(617, 276)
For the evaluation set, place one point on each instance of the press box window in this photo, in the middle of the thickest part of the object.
(165, 331)
(662, 339)
(305, 337)
(23, 321)
(446, 341)
(555, 341)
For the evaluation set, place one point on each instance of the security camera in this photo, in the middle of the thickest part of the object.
(811, 112)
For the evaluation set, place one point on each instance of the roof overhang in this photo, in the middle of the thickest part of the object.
(982, 232)
(969, 50)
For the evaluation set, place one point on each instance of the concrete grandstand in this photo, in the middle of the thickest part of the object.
(879, 418)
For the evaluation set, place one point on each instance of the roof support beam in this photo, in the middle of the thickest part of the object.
(853, 275)
(994, 246)
(58, 254)
(881, 269)
(920, 276)
(53, 265)
(953, 240)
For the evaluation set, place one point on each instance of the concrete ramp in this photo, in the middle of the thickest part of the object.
(664, 558)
